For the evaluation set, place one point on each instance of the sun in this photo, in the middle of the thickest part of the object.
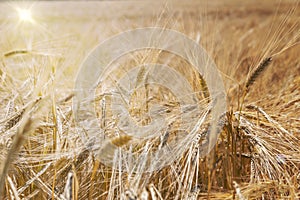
(25, 15)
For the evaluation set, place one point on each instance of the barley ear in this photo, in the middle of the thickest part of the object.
(259, 70)
(16, 52)
(120, 141)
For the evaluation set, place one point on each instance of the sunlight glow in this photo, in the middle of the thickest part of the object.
(25, 15)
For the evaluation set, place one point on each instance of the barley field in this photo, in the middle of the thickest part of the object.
(49, 149)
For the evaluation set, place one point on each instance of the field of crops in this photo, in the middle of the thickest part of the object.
(219, 119)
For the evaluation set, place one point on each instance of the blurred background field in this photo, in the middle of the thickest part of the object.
(257, 155)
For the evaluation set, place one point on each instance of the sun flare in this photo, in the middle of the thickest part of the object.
(25, 15)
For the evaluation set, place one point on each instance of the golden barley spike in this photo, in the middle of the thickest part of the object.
(261, 67)
(16, 52)
(120, 141)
